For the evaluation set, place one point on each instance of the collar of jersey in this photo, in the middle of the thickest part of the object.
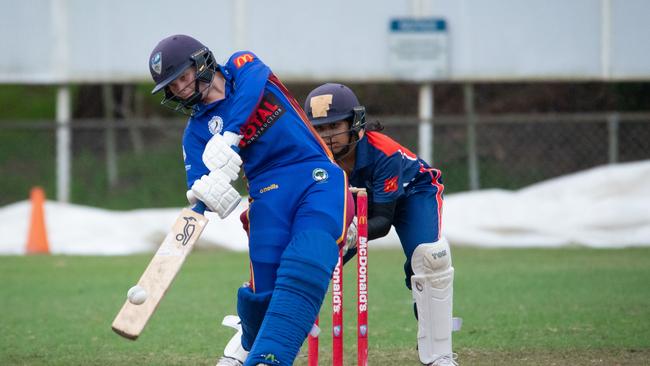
(201, 108)
(363, 154)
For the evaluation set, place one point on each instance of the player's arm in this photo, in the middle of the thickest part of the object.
(249, 79)
(250, 76)
(381, 220)
(193, 147)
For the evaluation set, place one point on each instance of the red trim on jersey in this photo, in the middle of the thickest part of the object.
(347, 216)
(275, 81)
(252, 280)
(435, 181)
(245, 221)
(387, 145)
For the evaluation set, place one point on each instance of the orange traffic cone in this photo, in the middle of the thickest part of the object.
(37, 238)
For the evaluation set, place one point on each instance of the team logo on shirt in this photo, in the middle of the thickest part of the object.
(156, 63)
(269, 188)
(270, 357)
(390, 184)
(319, 175)
(215, 125)
(268, 111)
(243, 59)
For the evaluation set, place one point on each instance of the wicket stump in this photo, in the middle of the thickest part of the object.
(337, 295)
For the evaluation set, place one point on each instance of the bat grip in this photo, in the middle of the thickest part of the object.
(199, 207)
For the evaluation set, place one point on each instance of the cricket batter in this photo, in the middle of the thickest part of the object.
(404, 192)
(240, 113)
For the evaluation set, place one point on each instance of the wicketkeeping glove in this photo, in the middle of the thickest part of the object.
(351, 238)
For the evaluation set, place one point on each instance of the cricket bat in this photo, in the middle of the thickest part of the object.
(161, 271)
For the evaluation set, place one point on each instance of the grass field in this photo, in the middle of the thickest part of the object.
(520, 307)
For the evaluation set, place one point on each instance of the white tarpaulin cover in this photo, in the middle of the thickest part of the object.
(605, 207)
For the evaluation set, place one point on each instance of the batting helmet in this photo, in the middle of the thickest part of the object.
(171, 57)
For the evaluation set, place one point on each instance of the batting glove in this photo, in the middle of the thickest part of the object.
(216, 192)
(219, 154)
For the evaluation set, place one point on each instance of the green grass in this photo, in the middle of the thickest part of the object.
(520, 307)
(20, 102)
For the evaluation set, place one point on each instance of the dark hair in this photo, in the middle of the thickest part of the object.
(374, 126)
(369, 126)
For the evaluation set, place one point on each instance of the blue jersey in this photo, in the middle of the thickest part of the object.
(275, 131)
(293, 182)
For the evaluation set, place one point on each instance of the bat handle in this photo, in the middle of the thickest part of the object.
(199, 207)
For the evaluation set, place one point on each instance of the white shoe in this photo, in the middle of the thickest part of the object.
(227, 361)
(445, 360)
(234, 354)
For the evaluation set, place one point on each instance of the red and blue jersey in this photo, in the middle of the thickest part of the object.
(391, 171)
(275, 130)
(394, 176)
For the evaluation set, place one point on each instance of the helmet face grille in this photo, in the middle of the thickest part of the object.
(206, 67)
(359, 120)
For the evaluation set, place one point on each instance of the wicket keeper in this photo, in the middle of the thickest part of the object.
(404, 192)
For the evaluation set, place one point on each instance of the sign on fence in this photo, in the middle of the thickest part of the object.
(418, 49)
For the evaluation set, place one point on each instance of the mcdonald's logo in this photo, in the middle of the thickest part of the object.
(241, 60)
(363, 220)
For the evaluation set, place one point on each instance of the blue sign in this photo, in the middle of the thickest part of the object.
(418, 25)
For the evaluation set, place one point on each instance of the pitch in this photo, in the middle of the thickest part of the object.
(520, 307)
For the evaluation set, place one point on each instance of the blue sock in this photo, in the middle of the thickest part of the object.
(303, 277)
(251, 308)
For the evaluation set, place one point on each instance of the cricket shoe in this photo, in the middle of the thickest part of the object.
(227, 361)
(234, 354)
(445, 360)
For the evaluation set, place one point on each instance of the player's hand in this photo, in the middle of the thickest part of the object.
(351, 238)
(219, 154)
(216, 192)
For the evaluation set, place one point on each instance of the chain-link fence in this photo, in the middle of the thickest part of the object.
(513, 151)
(139, 163)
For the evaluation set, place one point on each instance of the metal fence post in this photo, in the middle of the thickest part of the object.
(63, 143)
(425, 126)
(613, 121)
(111, 148)
(472, 158)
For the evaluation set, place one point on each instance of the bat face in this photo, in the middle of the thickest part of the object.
(160, 273)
